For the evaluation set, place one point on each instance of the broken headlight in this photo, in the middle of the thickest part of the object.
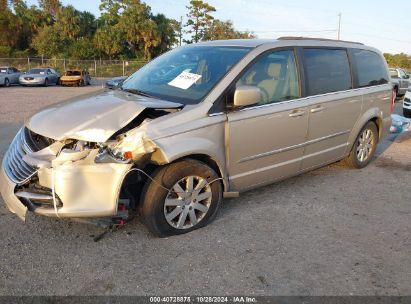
(128, 147)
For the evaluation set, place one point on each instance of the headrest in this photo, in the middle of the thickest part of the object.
(273, 70)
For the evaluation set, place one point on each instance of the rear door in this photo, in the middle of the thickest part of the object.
(265, 140)
(334, 107)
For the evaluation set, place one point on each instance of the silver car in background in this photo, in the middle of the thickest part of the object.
(9, 75)
(400, 81)
(39, 77)
(199, 123)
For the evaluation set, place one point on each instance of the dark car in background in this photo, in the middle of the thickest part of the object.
(115, 82)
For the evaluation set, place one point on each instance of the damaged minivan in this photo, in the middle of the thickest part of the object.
(199, 123)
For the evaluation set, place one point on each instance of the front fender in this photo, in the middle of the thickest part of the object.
(208, 141)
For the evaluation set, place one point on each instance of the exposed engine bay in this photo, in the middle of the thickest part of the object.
(49, 173)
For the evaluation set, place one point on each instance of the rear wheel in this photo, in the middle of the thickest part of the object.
(184, 196)
(364, 147)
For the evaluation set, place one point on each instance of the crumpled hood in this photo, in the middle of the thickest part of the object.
(94, 118)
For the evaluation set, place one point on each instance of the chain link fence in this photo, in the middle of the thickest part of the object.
(96, 68)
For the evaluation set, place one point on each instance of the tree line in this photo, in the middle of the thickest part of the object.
(126, 29)
(399, 60)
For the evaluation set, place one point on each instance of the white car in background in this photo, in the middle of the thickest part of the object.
(8, 76)
(406, 106)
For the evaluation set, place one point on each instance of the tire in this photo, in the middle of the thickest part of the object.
(176, 218)
(406, 112)
(6, 82)
(46, 82)
(356, 157)
(81, 83)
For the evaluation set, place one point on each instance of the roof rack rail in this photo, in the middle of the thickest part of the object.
(317, 39)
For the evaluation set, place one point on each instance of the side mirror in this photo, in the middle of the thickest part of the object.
(247, 96)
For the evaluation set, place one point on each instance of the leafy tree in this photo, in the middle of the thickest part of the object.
(87, 23)
(49, 42)
(140, 31)
(50, 7)
(82, 48)
(166, 29)
(67, 22)
(110, 11)
(225, 30)
(108, 40)
(32, 20)
(9, 28)
(199, 19)
(398, 60)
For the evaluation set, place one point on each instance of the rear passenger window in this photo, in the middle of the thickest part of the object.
(371, 69)
(327, 71)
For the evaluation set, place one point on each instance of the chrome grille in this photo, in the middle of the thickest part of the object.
(16, 168)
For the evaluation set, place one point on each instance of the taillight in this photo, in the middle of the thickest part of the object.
(394, 95)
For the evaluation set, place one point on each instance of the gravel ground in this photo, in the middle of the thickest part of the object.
(332, 231)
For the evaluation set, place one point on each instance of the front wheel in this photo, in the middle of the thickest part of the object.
(183, 196)
(46, 82)
(364, 147)
(6, 82)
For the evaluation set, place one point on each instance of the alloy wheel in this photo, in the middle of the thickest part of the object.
(365, 145)
(187, 202)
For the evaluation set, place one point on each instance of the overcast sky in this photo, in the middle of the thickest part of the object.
(375, 23)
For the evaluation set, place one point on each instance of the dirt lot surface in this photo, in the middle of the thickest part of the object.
(333, 231)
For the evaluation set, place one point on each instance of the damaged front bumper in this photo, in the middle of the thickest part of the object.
(82, 188)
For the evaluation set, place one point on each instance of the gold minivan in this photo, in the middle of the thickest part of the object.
(199, 123)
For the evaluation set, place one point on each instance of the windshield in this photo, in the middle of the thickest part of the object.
(3, 70)
(37, 71)
(73, 73)
(185, 75)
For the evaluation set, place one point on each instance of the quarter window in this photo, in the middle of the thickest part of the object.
(327, 70)
(275, 74)
(371, 69)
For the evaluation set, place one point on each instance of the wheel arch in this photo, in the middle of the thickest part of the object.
(204, 158)
(372, 114)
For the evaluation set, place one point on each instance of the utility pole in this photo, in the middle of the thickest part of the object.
(181, 29)
(339, 26)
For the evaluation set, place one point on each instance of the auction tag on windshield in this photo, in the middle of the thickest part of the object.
(184, 80)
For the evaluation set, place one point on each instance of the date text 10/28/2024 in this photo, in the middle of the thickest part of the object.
(205, 299)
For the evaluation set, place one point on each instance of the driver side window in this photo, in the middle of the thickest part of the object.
(275, 74)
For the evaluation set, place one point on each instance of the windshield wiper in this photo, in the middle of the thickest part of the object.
(138, 92)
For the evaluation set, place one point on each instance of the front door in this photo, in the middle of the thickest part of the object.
(265, 141)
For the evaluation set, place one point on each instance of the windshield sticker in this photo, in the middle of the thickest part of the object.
(185, 80)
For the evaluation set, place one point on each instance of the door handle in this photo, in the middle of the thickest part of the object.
(296, 113)
(317, 109)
